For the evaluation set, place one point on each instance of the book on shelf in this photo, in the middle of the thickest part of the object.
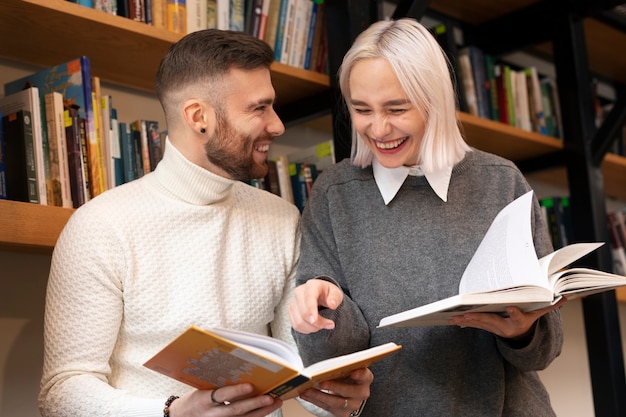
(151, 148)
(254, 10)
(237, 15)
(21, 177)
(176, 16)
(28, 99)
(73, 80)
(285, 33)
(209, 359)
(127, 152)
(137, 10)
(59, 165)
(271, 26)
(557, 213)
(505, 271)
(117, 166)
(302, 174)
(520, 100)
(159, 14)
(211, 11)
(196, 15)
(479, 76)
(618, 244)
(3, 166)
(77, 172)
(284, 179)
(467, 80)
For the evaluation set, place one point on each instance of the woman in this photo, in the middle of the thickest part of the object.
(393, 228)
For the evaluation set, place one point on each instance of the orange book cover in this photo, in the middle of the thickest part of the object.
(209, 359)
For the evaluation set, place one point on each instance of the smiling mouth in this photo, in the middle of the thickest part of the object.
(262, 148)
(391, 144)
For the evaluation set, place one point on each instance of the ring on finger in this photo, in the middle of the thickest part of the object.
(215, 401)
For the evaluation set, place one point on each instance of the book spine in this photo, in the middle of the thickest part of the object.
(74, 156)
(237, 13)
(127, 151)
(285, 387)
(84, 148)
(176, 16)
(58, 149)
(136, 10)
(3, 165)
(31, 167)
(159, 14)
(311, 36)
(280, 30)
(196, 15)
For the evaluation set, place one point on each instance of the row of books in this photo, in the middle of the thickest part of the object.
(291, 176)
(61, 143)
(557, 213)
(295, 29)
(498, 91)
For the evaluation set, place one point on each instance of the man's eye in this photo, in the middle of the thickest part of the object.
(361, 111)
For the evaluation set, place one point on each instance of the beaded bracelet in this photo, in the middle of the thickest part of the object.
(166, 410)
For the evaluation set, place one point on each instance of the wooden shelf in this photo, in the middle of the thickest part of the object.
(28, 227)
(48, 32)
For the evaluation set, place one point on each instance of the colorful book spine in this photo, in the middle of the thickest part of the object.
(177, 16)
(59, 165)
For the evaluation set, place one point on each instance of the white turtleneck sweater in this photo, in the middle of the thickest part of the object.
(137, 265)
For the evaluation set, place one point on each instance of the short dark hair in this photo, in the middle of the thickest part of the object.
(205, 55)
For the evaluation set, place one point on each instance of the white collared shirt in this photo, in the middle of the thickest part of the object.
(389, 180)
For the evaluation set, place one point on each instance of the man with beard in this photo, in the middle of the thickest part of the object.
(188, 243)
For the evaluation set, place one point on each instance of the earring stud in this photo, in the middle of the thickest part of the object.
(202, 130)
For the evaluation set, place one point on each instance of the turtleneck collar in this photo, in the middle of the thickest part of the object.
(188, 181)
(389, 180)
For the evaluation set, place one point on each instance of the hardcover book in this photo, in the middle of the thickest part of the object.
(28, 99)
(505, 271)
(209, 359)
(20, 159)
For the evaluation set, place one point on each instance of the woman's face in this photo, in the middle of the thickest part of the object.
(382, 114)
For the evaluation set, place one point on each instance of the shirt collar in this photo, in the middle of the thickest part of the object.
(389, 180)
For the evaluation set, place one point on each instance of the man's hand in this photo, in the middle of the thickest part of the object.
(225, 401)
(308, 297)
(342, 397)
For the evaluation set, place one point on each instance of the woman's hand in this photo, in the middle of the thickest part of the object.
(308, 297)
(516, 325)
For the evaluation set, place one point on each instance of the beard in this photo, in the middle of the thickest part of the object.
(233, 151)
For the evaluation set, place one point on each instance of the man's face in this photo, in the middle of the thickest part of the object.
(246, 125)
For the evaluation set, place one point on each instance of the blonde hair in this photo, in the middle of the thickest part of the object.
(423, 71)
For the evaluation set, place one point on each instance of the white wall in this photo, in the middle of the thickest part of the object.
(23, 280)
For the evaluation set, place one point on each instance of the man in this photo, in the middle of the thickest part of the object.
(189, 243)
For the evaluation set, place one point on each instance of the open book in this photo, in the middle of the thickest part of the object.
(505, 271)
(208, 359)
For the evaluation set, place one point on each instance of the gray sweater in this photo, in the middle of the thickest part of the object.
(388, 259)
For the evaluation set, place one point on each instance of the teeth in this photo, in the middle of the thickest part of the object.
(263, 148)
(391, 144)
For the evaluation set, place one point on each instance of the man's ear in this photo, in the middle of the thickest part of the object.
(199, 116)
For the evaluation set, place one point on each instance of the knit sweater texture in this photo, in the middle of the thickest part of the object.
(137, 265)
(411, 252)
